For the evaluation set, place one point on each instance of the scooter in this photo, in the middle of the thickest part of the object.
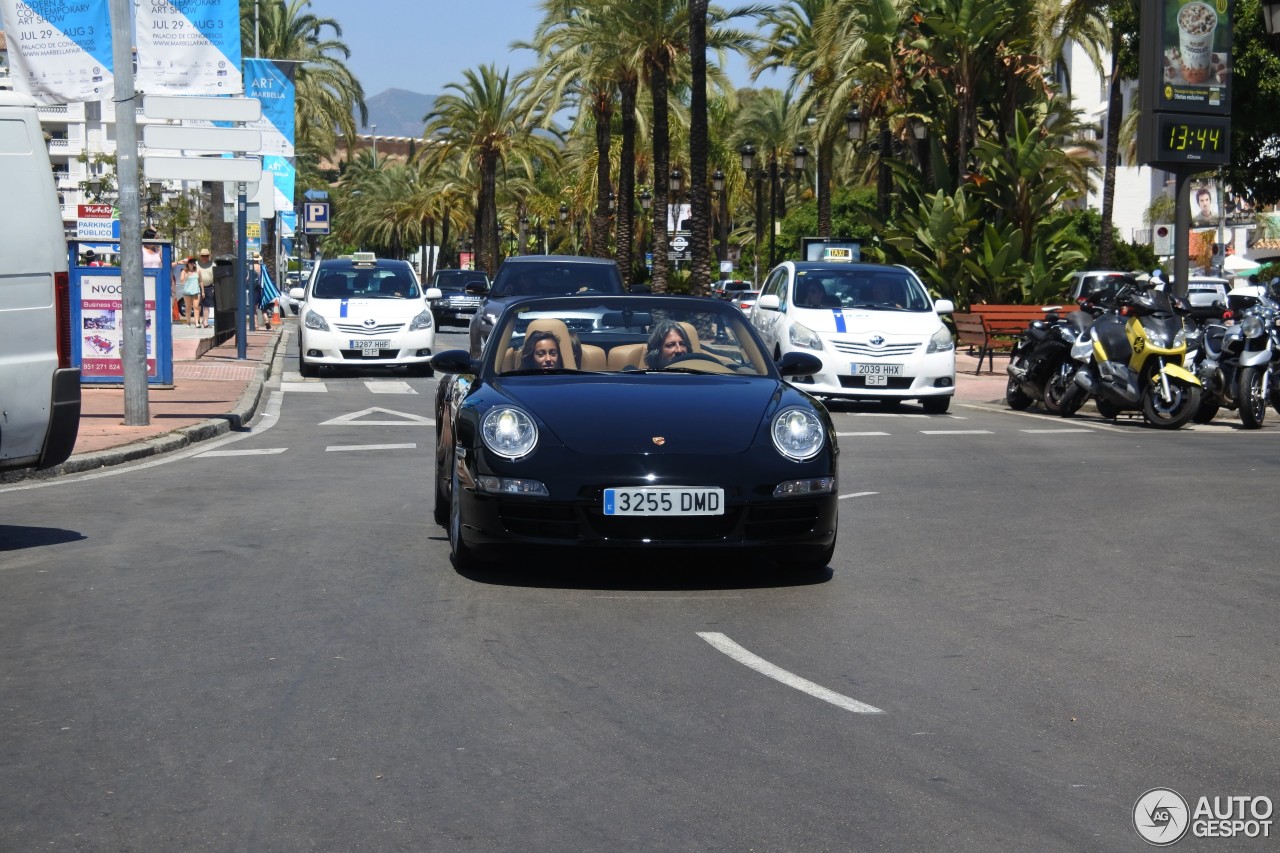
(1040, 361)
(1136, 360)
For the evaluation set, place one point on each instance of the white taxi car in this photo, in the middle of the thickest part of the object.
(361, 311)
(874, 326)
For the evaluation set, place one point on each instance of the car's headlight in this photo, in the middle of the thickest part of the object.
(798, 433)
(508, 432)
(314, 321)
(422, 321)
(1252, 326)
(942, 340)
(803, 336)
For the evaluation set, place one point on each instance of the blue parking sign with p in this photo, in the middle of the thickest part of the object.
(315, 218)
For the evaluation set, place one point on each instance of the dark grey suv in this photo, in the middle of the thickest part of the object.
(461, 298)
(542, 275)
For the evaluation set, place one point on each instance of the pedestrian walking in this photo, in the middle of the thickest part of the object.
(204, 268)
(191, 292)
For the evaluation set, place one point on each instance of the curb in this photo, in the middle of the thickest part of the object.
(246, 407)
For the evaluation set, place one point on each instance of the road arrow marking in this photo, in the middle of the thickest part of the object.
(354, 419)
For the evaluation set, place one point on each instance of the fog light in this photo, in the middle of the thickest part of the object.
(510, 486)
(814, 486)
(314, 353)
(944, 382)
(424, 353)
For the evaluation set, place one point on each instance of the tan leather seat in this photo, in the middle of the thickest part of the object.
(695, 345)
(593, 358)
(626, 355)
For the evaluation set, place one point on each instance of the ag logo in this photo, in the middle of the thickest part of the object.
(1161, 816)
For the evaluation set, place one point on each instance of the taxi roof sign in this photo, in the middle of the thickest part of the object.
(837, 253)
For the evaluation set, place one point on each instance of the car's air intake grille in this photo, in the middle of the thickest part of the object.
(538, 519)
(693, 528)
(358, 354)
(785, 518)
(380, 329)
(891, 350)
(900, 383)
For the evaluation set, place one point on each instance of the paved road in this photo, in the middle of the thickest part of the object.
(262, 645)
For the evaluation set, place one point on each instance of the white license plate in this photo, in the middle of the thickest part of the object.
(369, 349)
(877, 381)
(663, 501)
(864, 368)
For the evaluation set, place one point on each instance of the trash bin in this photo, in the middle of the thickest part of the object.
(224, 298)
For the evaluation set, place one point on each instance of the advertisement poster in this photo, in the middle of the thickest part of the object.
(1204, 204)
(189, 47)
(102, 326)
(59, 53)
(271, 82)
(1196, 46)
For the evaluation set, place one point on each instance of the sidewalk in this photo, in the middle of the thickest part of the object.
(213, 393)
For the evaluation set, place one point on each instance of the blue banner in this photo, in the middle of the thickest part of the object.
(271, 82)
(59, 52)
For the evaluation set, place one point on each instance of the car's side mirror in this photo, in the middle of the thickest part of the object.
(769, 302)
(944, 306)
(454, 361)
(434, 293)
(297, 293)
(798, 363)
(477, 288)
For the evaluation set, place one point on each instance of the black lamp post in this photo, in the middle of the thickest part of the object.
(646, 202)
(564, 215)
(748, 154)
(722, 220)
(524, 233)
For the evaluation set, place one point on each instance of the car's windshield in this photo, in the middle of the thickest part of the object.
(879, 289)
(625, 334)
(555, 279)
(353, 282)
(458, 280)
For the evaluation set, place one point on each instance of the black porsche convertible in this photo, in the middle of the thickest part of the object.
(631, 422)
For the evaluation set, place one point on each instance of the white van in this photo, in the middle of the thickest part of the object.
(39, 389)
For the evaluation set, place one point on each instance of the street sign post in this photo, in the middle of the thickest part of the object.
(201, 108)
(239, 169)
(242, 140)
(315, 217)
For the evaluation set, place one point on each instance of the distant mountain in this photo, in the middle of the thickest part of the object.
(397, 112)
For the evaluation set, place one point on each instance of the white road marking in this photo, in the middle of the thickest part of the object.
(855, 434)
(269, 418)
(354, 419)
(262, 451)
(881, 415)
(857, 495)
(1054, 431)
(955, 432)
(389, 386)
(777, 673)
(288, 384)
(338, 448)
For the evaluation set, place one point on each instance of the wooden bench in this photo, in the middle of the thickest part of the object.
(996, 328)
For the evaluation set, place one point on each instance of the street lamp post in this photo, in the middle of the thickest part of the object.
(722, 221)
(373, 138)
(748, 154)
(646, 203)
(564, 214)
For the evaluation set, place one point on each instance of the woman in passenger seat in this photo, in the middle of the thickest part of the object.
(541, 351)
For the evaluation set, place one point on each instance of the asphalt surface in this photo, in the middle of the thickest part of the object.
(258, 642)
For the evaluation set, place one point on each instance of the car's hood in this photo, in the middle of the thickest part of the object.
(646, 413)
(357, 310)
(858, 322)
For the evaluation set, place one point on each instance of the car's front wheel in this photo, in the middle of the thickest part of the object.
(306, 368)
(936, 405)
(463, 557)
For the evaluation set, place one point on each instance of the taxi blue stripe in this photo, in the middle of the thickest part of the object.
(839, 314)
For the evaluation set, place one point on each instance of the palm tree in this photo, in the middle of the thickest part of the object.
(700, 259)
(483, 122)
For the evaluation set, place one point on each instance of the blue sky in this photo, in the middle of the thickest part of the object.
(421, 45)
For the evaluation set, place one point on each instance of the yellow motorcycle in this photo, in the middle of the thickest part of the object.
(1136, 359)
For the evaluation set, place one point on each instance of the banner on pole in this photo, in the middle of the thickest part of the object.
(271, 82)
(189, 47)
(59, 53)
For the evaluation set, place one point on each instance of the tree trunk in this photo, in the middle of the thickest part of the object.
(661, 171)
(1111, 158)
(445, 249)
(700, 262)
(604, 139)
(627, 182)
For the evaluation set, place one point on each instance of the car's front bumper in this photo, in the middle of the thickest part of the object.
(928, 375)
(335, 348)
(572, 515)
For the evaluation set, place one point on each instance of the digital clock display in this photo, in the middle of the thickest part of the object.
(1194, 139)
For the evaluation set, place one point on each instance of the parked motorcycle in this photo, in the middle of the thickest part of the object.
(1214, 349)
(1040, 365)
(1134, 359)
(1257, 386)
